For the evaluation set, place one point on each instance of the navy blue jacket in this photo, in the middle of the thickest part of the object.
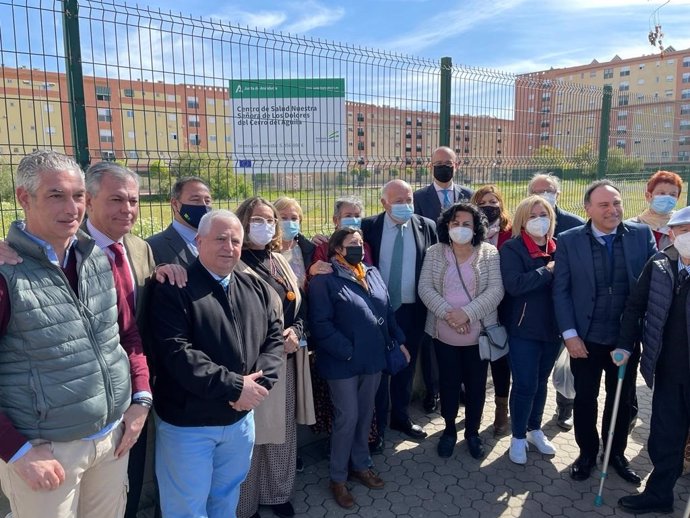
(349, 334)
(427, 203)
(574, 288)
(526, 309)
(566, 220)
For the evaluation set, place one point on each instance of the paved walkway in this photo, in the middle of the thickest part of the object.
(420, 484)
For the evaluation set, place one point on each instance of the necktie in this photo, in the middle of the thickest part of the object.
(446, 198)
(395, 276)
(124, 287)
(225, 282)
(682, 279)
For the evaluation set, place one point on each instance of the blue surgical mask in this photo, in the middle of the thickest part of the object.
(663, 203)
(290, 229)
(192, 214)
(402, 211)
(351, 222)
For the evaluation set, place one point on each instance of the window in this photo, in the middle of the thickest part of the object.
(172, 117)
(685, 78)
(419, 121)
(360, 132)
(46, 108)
(684, 141)
(211, 120)
(546, 97)
(211, 102)
(620, 143)
(608, 73)
(50, 130)
(544, 124)
(622, 115)
(419, 135)
(170, 98)
(108, 155)
(106, 135)
(360, 146)
(668, 124)
(360, 117)
(685, 109)
(625, 71)
(193, 121)
(686, 62)
(419, 148)
(640, 81)
(102, 93)
(408, 121)
(133, 154)
(669, 79)
(593, 73)
(622, 128)
(173, 136)
(194, 139)
(192, 103)
(544, 136)
(130, 134)
(104, 115)
(623, 100)
(130, 114)
(624, 86)
(684, 156)
(129, 92)
(685, 124)
(668, 93)
(641, 66)
(212, 138)
(685, 94)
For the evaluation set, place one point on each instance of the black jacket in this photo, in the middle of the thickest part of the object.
(205, 341)
(427, 203)
(527, 308)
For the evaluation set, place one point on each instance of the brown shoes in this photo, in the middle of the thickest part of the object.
(367, 478)
(342, 495)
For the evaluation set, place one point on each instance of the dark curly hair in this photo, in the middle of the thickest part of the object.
(448, 215)
(337, 238)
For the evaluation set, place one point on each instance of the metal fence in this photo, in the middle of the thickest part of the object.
(259, 112)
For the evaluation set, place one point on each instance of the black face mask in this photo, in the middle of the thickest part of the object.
(492, 212)
(443, 173)
(354, 254)
(192, 214)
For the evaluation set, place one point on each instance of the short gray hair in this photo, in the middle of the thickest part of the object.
(542, 175)
(34, 164)
(208, 219)
(95, 174)
(348, 200)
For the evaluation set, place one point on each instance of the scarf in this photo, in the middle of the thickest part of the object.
(357, 271)
(657, 222)
(533, 248)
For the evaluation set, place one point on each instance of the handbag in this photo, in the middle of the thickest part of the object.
(493, 342)
(493, 339)
(395, 359)
(562, 377)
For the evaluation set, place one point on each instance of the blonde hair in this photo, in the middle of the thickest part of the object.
(285, 202)
(522, 214)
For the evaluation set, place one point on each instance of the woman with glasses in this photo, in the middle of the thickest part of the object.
(271, 478)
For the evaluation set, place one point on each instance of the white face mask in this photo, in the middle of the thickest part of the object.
(538, 227)
(550, 197)
(461, 235)
(682, 244)
(261, 233)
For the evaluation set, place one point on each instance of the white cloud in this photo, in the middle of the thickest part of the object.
(583, 5)
(314, 15)
(449, 24)
(261, 19)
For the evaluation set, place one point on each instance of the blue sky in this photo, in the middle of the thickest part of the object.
(511, 35)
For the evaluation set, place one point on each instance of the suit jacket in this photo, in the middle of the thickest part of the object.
(169, 248)
(427, 204)
(423, 229)
(574, 285)
(566, 220)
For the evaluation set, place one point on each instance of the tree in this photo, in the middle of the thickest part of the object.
(585, 159)
(219, 173)
(619, 163)
(6, 183)
(548, 157)
(159, 178)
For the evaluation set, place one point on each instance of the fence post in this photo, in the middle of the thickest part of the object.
(75, 82)
(604, 131)
(444, 104)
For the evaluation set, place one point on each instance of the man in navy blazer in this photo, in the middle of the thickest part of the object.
(429, 202)
(191, 199)
(597, 265)
(417, 233)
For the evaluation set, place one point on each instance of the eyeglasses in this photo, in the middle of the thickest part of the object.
(447, 162)
(545, 191)
(258, 220)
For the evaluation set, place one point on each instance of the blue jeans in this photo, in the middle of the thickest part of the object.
(200, 469)
(531, 362)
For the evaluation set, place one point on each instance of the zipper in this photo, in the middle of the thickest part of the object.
(524, 309)
(239, 335)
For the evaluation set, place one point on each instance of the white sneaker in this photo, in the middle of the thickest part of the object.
(518, 450)
(539, 440)
(8, 515)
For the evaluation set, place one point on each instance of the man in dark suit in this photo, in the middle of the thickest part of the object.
(191, 199)
(548, 186)
(399, 239)
(429, 202)
(596, 267)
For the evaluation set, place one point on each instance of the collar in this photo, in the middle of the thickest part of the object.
(682, 266)
(188, 234)
(222, 280)
(47, 247)
(438, 188)
(388, 222)
(620, 229)
(99, 237)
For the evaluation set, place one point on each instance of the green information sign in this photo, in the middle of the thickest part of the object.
(286, 88)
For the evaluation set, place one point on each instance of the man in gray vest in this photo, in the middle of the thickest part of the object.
(64, 378)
